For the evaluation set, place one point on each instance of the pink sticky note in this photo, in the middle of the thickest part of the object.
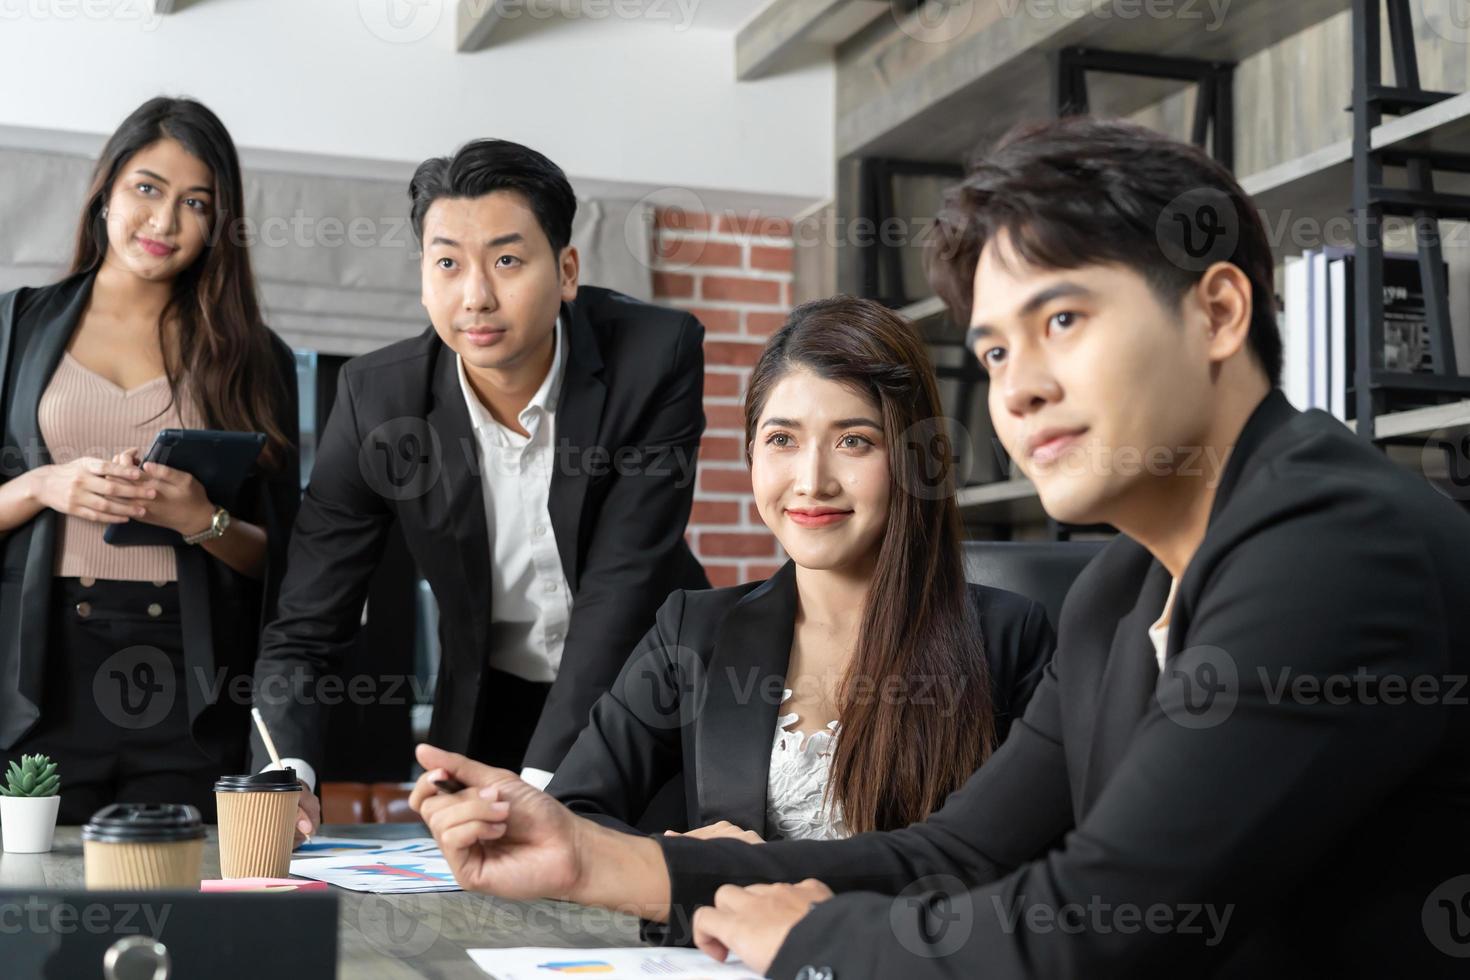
(261, 885)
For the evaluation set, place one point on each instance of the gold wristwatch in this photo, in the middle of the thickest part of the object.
(218, 524)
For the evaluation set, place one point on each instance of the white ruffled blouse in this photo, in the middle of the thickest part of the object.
(797, 784)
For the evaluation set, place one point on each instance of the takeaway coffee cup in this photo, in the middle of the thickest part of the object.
(143, 846)
(257, 823)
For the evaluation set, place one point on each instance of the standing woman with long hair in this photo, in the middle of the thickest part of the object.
(129, 665)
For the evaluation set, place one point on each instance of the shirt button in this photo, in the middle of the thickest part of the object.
(84, 609)
(554, 637)
(155, 610)
(539, 530)
(550, 586)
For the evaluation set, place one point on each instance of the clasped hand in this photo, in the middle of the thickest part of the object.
(173, 498)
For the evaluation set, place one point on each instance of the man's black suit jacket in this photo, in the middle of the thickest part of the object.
(1281, 771)
(399, 445)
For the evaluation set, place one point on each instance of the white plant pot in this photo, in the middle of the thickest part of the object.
(28, 824)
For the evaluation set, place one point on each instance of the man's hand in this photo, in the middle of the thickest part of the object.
(308, 814)
(754, 922)
(717, 831)
(500, 835)
(504, 837)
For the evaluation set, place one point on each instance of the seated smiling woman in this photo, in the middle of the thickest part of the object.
(864, 681)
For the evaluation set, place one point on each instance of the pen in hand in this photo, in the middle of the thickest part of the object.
(270, 745)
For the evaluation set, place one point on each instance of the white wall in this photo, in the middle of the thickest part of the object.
(624, 105)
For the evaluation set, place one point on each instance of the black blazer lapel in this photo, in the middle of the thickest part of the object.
(733, 733)
(56, 320)
(37, 351)
(1131, 676)
(578, 418)
(1129, 680)
(457, 502)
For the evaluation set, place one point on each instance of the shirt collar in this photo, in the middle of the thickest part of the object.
(545, 398)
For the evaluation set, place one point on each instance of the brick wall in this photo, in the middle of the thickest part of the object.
(734, 272)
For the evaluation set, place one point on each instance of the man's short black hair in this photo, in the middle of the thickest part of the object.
(485, 166)
(1084, 191)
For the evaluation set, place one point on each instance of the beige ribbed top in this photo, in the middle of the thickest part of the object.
(84, 414)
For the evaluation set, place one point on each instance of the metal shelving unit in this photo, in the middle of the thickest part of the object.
(1315, 186)
(933, 87)
(1408, 161)
(1373, 199)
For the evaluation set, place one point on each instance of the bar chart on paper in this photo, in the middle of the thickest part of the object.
(386, 867)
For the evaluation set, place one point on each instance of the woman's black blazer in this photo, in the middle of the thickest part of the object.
(695, 706)
(222, 611)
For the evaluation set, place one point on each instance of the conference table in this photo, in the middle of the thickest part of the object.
(386, 937)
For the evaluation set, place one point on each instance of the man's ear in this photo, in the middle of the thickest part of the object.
(571, 269)
(1224, 293)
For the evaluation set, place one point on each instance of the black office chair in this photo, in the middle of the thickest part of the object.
(1039, 570)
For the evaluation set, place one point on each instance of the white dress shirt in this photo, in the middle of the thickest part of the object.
(530, 603)
(1158, 633)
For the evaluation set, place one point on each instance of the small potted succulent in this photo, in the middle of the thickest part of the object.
(29, 801)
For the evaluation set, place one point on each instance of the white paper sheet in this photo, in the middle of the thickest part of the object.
(636, 963)
(326, 847)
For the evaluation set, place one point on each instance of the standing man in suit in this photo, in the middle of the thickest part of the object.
(537, 445)
(1251, 744)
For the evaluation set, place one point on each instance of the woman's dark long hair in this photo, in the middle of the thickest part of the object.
(896, 762)
(222, 346)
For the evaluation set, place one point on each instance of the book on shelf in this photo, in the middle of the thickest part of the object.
(1318, 335)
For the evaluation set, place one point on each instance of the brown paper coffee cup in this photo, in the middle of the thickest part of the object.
(148, 866)
(143, 846)
(257, 824)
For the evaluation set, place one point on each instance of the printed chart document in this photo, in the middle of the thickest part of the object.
(635, 963)
(389, 867)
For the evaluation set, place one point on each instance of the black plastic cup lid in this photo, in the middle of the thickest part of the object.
(274, 781)
(144, 823)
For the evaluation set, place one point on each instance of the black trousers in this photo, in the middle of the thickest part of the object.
(508, 716)
(115, 711)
